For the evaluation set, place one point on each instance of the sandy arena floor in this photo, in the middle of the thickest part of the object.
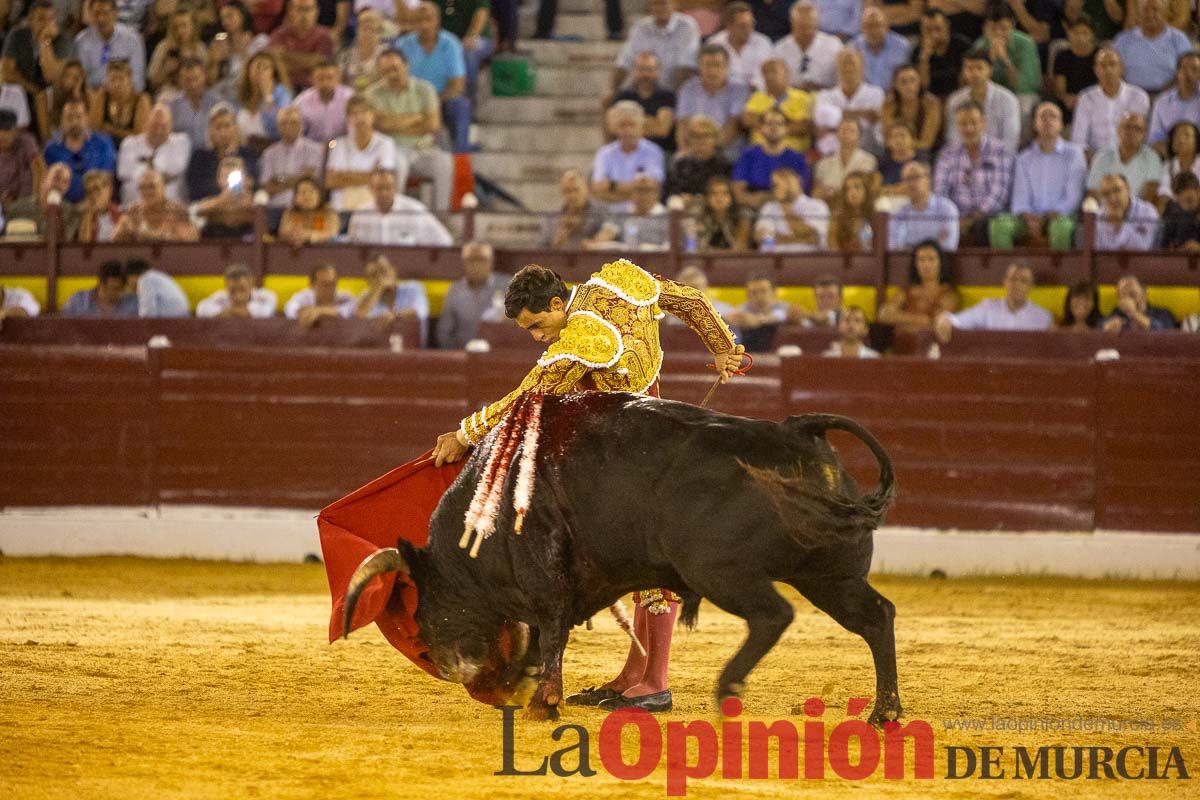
(125, 678)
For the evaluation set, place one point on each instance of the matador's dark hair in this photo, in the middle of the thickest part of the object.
(532, 289)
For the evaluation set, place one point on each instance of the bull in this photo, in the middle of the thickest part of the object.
(635, 492)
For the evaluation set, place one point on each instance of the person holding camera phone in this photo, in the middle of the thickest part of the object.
(230, 213)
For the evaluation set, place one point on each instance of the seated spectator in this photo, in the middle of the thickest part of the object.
(795, 104)
(752, 173)
(1012, 312)
(693, 275)
(17, 302)
(1181, 103)
(712, 95)
(658, 104)
(645, 226)
(158, 295)
(1134, 312)
(395, 218)
(54, 186)
(827, 297)
(99, 214)
(925, 217)
(974, 174)
(476, 297)
(158, 148)
(852, 336)
(229, 214)
(1075, 68)
(673, 37)
(618, 163)
(262, 92)
(851, 209)
(115, 108)
(224, 141)
(1181, 157)
(791, 221)
(929, 291)
(939, 53)
(698, 161)
(998, 106)
(323, 106)
(407, 109)
(300, 43)
(1099, 109)
(108, 299)
(771, 19)
(1191, 324)
(915, 108)
(849, 100)
(194, 104)
(233, 46)
(322, 298)
(1014, 56)
(386, 298)
(286, 162)
(722, 223)
(901, 151)
(154, 217)
(1124, 222)
(35, 50)
(12, 98)
(1047, 189)
(106, 40)
(1177, 13)
(883, 51)
(353, 158)
(469, 23)
(841, 18)
(21, 164)
(436, 56)
(576, 220)
(240, 297)
(1081, 309)
(182, 41)
(309, 219)
(79, 148)
(356, 61)
(1152, 49)
(832, 169)
(1181, 221)
(747, 48)
(1130, 157)
(810, 53)
(757, 320)
(48, 104)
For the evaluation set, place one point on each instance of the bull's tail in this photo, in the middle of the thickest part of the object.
(817, 505)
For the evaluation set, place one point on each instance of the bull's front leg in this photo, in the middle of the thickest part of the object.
(552, 641)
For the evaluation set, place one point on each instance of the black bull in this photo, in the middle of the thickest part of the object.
(635, 493)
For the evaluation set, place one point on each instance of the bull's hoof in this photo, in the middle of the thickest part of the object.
(883, 714)
(540, 712)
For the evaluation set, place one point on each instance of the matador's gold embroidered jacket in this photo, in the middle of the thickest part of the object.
(611, 338)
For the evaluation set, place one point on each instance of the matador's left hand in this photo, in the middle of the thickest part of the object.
(450, 447)
(729, 362)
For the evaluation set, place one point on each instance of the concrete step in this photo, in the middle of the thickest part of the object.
(575, 80)
(549, 52)
(529, 110)
(542, 139)
(506, 168)
(538, 196)
(586, 26)
(631, 8)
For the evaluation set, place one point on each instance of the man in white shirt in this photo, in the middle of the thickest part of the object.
(17, 302)
(239, 298)
(353, 158)
(852, 99)
(852, 336)
(673, 37)
(288, 160)
(157, 148)
(321, 299)
(1125, 222)
(1100, 108)
(809, 52)
(1178, 104)
(395, 218)
(1012, 312)
(747, 48)
(791, 221)
(1001, 109)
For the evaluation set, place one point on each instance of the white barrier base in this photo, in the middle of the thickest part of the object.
(253, 534)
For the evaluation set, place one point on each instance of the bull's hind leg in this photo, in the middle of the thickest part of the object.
(860, 609)
(767, 616)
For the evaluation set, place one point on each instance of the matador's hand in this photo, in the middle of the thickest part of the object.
(729, 362)
(450, 447)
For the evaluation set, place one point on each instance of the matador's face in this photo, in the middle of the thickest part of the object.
(545, 326)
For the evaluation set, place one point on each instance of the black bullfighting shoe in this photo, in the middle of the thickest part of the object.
(592, 697)
(654, 703)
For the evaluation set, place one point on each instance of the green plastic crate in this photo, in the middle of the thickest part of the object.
(513, 76)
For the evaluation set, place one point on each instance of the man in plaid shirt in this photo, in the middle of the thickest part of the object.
(975, 174)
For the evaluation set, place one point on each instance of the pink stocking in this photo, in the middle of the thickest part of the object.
(635, 662)
(658, 649)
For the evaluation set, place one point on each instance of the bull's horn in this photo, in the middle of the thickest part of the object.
(520, 641)
(378, 563)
